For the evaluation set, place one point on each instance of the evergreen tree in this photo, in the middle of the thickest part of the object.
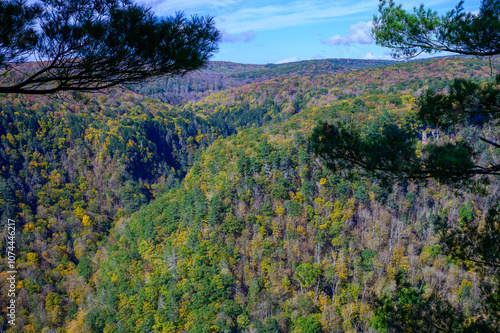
(88, 45)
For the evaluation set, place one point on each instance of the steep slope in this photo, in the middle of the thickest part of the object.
(228, 242)
(261, 236)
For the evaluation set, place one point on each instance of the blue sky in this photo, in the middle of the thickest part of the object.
(277, 31)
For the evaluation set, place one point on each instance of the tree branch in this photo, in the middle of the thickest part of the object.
(490, 142)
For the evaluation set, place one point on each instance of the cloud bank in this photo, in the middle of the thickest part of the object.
(373, 56)
(168, 6)
(285, 61)
(358, 33)
(278, 14)
(244, 36)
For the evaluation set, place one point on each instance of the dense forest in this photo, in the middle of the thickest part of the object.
(218, 76)
(195, 204)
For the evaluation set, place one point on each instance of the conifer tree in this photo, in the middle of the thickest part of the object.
(89, 45)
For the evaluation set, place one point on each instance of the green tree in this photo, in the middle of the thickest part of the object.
(308, 274)
(88, 45)
(309, 324)
(410, 34)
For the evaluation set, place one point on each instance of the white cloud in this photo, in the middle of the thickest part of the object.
(291, 14)
(284, 61)
(372, 56)
(169, 6)
(358, 33)
(244, 36)
(257, 15)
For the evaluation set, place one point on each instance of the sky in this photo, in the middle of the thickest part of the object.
(278, 31)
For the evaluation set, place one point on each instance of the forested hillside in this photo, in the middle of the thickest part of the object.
(218, 76)
(213, 214)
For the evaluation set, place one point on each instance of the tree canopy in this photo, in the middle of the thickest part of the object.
(89, 45)
(410, 34)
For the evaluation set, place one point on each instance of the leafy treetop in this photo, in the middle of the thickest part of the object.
(410, 34)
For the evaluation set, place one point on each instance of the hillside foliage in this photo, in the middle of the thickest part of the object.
(214, 215)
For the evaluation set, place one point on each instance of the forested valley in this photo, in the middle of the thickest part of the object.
(196, 204)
